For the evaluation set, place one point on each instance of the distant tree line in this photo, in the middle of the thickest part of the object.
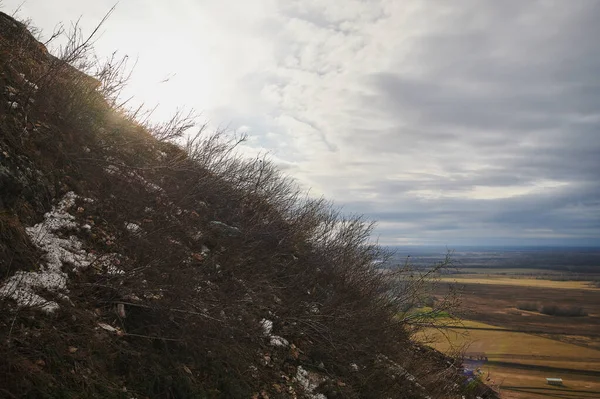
(553, 310)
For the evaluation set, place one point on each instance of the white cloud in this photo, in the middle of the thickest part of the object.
(387, 105)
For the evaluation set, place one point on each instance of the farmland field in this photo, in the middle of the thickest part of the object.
(524, 282)
(515, 349)
(497, 304)
(503, 325)
(521, 360)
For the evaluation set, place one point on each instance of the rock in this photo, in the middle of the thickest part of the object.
(226, 229)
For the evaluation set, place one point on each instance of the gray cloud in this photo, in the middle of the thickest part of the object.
(520, 100)
(465, 122)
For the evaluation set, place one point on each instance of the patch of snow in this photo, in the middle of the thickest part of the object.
(133, 177)
(13, 104)
(205, 251)
(133, 228)
(267, 326)
(114, 271)
(28, 83)
(23, 286)
(309, 382)
(153, 187)
(108, 262)
(112, 170)
(276, 340)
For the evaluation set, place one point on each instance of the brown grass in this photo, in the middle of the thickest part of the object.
(497, 305)
(528, 351)
(491, 302)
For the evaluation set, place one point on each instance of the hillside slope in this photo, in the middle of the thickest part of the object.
(135, 268)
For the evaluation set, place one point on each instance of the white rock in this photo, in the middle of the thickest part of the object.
(278, 341)
(107, 327)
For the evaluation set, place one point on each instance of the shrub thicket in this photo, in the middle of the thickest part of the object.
(555, 310)
(552, 309)
(529, 306)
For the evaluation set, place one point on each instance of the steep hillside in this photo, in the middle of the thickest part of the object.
(132, 267)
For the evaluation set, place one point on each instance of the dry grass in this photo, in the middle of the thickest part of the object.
(526, 350)
(526, 384)
(490, 302)
(497, 304)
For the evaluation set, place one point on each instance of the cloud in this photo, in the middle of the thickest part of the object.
(464, 122)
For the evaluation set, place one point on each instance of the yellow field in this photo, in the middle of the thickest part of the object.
(519, 355)
(525, 384)
(527, 348)
(523, 282)
(471, 323)
(515, 271)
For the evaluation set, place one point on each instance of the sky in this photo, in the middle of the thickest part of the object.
(460, 122)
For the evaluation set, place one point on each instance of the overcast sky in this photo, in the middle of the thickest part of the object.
(449, 122)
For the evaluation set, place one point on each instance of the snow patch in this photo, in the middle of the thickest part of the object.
(133, 228)
(133, 177)
(23, 286)
(30, 84)
(111, 170)
(267, 326)
(309, 382)
(274, 340)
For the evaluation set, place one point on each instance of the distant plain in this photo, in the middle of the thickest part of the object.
(517, 349)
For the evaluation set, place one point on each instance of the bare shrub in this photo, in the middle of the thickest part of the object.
(529, 306)
(175, 128)
(555, 310)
